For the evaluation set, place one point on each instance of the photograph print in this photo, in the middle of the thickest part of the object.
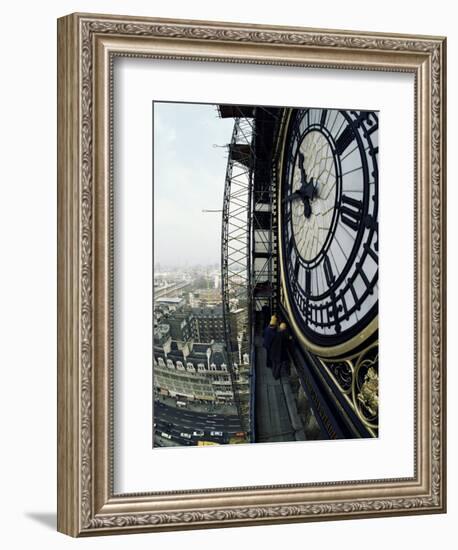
(265, 301)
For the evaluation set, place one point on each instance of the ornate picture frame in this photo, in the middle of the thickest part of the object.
(87, 46)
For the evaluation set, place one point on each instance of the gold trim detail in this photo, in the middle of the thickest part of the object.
(365, 390)
(361, 383)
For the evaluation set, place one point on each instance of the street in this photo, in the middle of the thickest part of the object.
(175, 422)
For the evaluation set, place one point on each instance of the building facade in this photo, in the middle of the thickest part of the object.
(196, 371)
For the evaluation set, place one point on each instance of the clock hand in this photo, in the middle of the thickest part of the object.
(310, 189)
(307, 208)
(300, 195)
(302, 169)
(307, 189)
(293, 196)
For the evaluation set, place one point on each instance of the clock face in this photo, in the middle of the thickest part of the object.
(329, 221)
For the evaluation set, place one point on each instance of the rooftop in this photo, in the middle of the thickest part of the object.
(166, 300)
(216, 311)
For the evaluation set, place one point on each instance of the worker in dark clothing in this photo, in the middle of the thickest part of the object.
(265, 316)
(268, 337)
(286, 339)
(279, 352)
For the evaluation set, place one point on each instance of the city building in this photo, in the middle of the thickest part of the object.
(181, 324)
(201, 324)
(168, 289)
(208, 323)
(196, 371)
(205, 297)
(171, 303)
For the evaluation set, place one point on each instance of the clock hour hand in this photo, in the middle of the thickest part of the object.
(310, 189)
(294, 196)
(307, 191)
(307, 208)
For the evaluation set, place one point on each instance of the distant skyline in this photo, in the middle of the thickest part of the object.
(160, 267)
(189, 176)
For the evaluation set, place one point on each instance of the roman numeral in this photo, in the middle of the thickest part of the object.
(351, 211)
(345, 138)
(367, 120)
(324, 114)
(328, 271)
(330, 279)
(344, 304)
(303, 306)
(363, 276)
(355, 296)
(296, 268)
(308, 282)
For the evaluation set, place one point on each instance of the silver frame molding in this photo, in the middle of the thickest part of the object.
(87, 45)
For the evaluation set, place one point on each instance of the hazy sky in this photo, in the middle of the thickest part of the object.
(189, 175)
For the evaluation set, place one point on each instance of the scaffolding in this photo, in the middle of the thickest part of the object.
(264, 213)
(235, 249)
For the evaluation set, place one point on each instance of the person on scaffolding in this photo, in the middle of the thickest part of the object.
(279, 352)
(269, 334)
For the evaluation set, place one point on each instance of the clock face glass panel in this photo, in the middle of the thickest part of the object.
(317, 161)
(329, 221)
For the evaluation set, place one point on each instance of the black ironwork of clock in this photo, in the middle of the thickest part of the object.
(329, 221)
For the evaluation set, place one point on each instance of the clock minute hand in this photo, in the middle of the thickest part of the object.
(308, 189)
(301, 160)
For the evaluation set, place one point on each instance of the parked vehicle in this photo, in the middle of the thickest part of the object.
(182, 404)
(197, 433)
(216, 434)
(166, 435)
(185, 435)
